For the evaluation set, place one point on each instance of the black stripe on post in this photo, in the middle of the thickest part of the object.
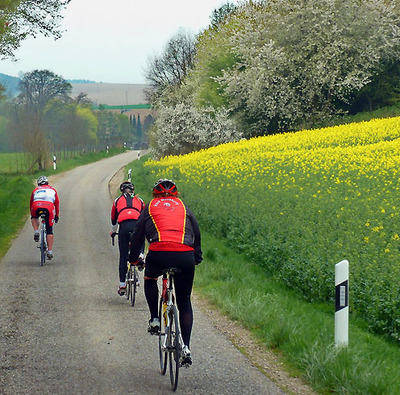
(342, 295)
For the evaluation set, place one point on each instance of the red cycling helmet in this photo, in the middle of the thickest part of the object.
(165, 186)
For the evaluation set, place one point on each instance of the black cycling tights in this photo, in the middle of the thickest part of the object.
(156, 261)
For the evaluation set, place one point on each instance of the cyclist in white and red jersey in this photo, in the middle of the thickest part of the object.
(45, 198)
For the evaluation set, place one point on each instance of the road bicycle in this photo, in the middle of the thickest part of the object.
(170, 343)
(132, 282)
(42, 242)
(132, 279)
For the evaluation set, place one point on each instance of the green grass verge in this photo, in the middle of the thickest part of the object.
(281, 320)
(302, 332)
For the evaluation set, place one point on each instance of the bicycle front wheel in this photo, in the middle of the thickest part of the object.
(162, 346)
(174, 347)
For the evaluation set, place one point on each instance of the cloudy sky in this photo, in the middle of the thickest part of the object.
(111, 40)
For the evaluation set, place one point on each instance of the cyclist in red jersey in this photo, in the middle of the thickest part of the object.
(174, 239)
(45, 197)
(124, 212)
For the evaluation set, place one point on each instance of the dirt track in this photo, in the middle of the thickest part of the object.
(64, 330)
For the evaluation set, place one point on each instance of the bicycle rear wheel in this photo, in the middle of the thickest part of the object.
(174, 347)
(161, 339)
(43, 247)
(128, 282)
(134, 280)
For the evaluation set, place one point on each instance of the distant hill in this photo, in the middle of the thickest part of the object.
(81, 82)
(11, 84)
(111, 94)
(98, 92)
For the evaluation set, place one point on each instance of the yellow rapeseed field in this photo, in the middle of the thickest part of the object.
(298, 203)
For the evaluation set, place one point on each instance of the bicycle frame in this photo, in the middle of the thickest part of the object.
(168, 305)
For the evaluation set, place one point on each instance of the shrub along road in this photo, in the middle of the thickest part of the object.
(64, 329)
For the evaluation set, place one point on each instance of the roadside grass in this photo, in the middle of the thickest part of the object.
(301, 333)
(15, 191)
(14, 207)
(15, 163)
(280, 319)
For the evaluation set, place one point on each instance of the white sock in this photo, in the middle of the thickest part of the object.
(122, 284)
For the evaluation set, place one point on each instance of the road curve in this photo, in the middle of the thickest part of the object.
(64, 329)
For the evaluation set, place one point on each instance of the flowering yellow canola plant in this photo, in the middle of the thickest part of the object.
(300, 202)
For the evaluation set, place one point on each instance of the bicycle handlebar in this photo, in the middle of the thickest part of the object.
(113, 237)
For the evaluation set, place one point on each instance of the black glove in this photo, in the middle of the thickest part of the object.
(113, 234)
(197, 258)
(56, 219)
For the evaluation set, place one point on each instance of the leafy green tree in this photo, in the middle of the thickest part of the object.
(220, 15)
(70, 125)
(383, 90)
(39, 89)
(114, 129)
(172, 66)
(214, 54)
(22, 18)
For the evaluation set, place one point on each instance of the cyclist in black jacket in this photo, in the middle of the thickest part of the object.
(125, 212)
(173, 234)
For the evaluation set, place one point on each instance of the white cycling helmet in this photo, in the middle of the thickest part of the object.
(42, 180)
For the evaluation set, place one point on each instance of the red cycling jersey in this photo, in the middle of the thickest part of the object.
(45, 196)
(169, 225)
(126, 207)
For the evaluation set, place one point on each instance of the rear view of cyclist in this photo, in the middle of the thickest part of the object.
(125, 212)
(173, 234)
(45, 198)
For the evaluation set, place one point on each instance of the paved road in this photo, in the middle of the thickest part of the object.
(64, 329)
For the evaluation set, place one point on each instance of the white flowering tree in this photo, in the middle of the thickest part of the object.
(183, 128)
(300, 60)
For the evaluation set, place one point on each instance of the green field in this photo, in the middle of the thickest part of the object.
(123, 107)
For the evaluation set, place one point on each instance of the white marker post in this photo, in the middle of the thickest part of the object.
(54, 162)
(130, 175)
(342, 303)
